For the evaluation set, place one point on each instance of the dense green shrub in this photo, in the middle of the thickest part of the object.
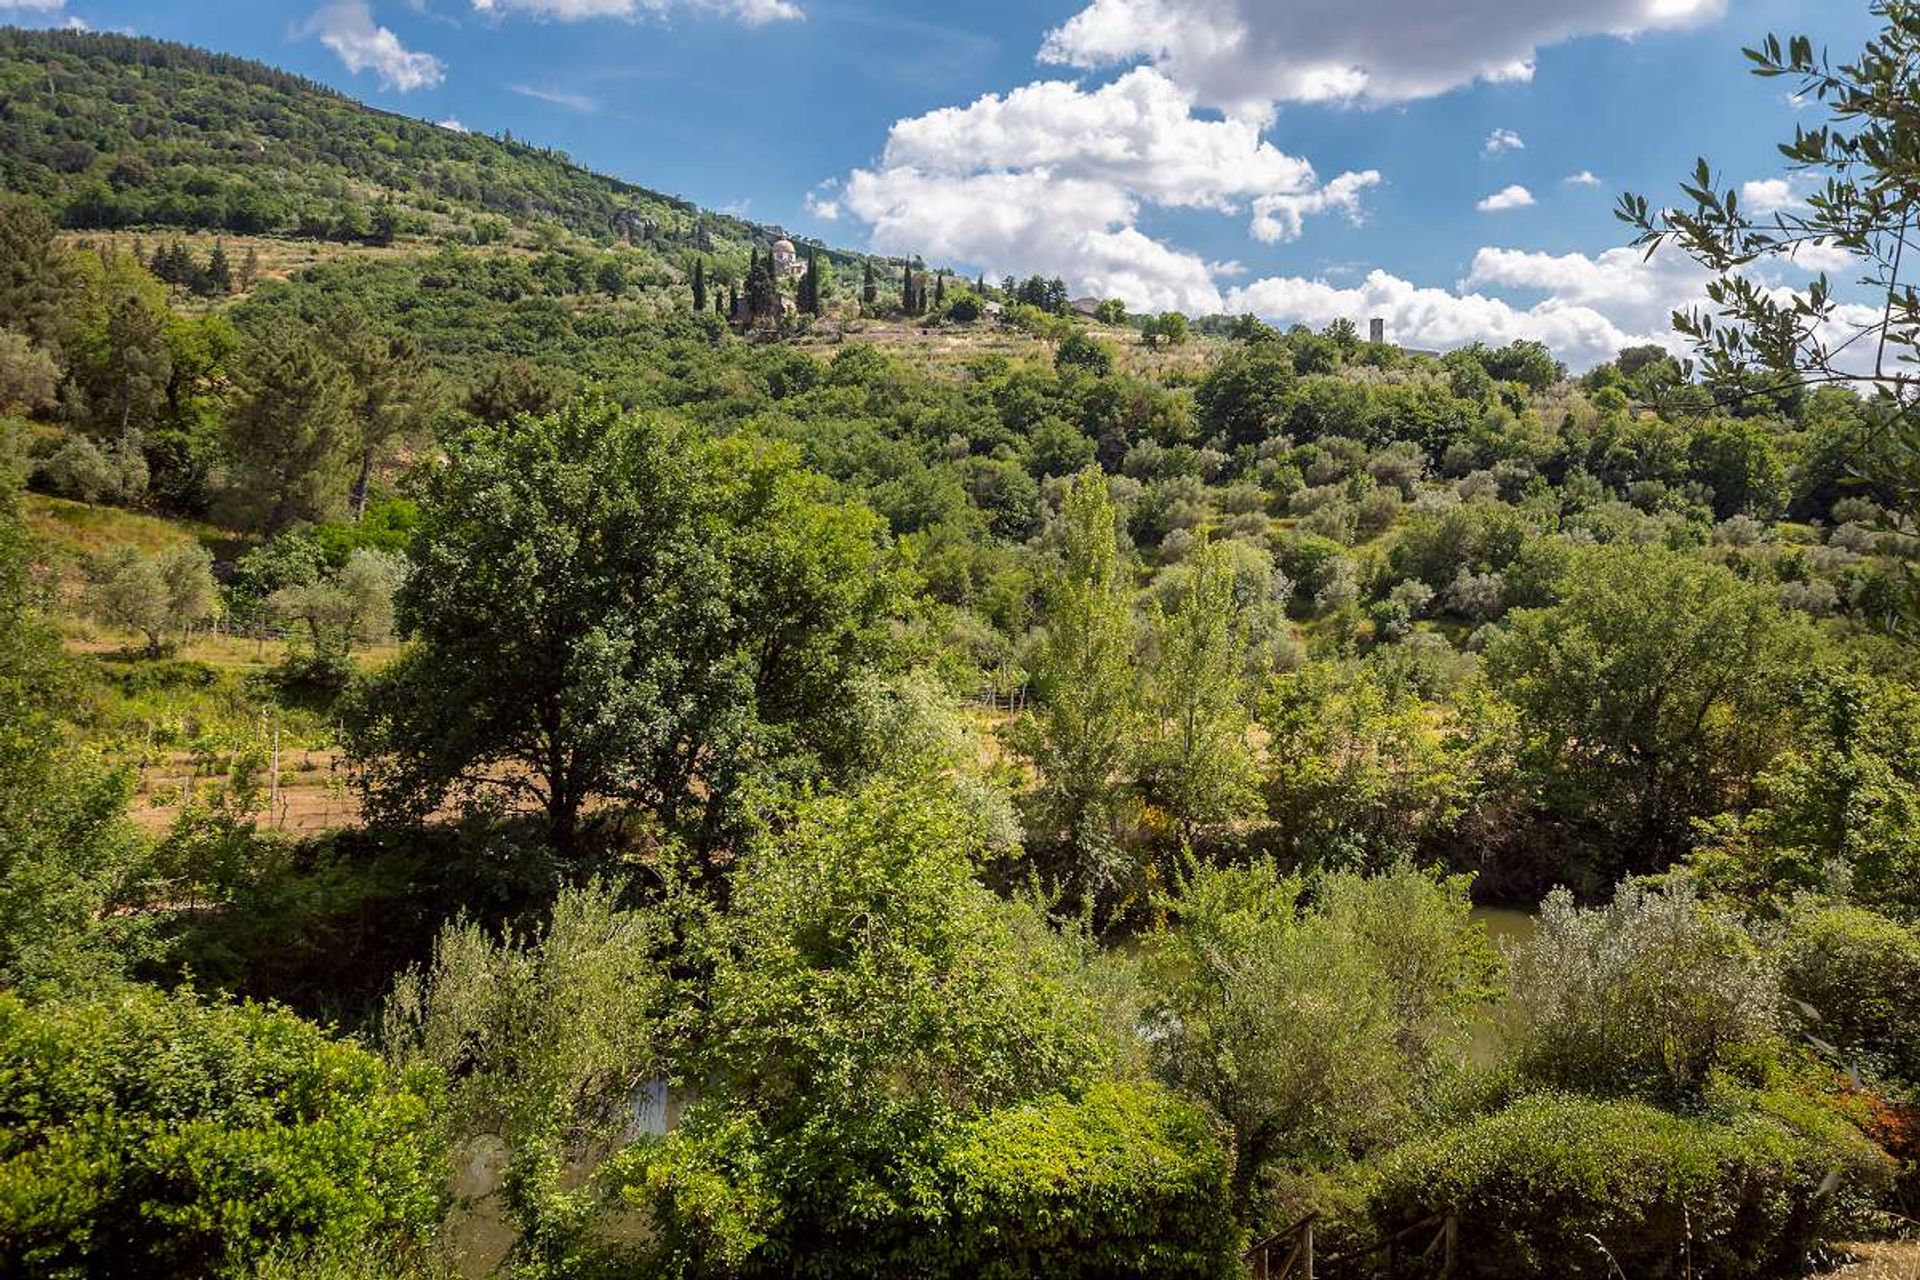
(1855, 976)
(1125, 1180)
(1570, 1187)
(893, 1062)
(151, 1135)
(1128, 1180)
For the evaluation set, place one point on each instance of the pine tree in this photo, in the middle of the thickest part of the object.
(291, 435)
(699, 284)
(219, 275)
(387, 376)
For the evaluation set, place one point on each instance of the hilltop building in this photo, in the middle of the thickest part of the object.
(787, 262)
(1377, 333)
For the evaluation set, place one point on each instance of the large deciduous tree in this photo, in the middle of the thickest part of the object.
(613, 613)
(1650, 696)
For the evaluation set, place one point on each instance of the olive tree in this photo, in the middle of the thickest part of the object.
(1304, 1022)
(1757, 341)
(158, 596)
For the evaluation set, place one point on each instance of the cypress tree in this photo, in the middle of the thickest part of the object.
(763, 290)
(940, 290)
(810, 286)
(699, 284)
(869, 287)
(906, 288)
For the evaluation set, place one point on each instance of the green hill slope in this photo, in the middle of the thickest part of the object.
(115, 131)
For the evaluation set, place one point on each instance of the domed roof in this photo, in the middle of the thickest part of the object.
(780, 246)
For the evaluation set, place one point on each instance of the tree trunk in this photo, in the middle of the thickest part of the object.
(361, 484)
(563, 824)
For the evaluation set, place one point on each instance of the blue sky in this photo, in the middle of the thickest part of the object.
(1299, 158)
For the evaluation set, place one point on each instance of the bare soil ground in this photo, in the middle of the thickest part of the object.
(313, 794)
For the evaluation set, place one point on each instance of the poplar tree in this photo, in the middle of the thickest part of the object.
(1080, 734)
(1198, 763)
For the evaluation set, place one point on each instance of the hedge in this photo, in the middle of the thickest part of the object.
(1566, 1186)
(1126, 1181)
(146, 1135)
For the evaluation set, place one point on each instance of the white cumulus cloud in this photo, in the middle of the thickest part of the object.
(752, 12)
(1769, 195)
(1636, 293)
(347, 27)
(1512, 197)
(1584, 178)
(1139, 133)
(1424, 316)
(1244, 56)
(1022, 223)
(1053, 177)
(1503, 140)
(1278, 218)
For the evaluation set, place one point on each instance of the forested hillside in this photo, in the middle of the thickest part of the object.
(119, 131)
(542, 756)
